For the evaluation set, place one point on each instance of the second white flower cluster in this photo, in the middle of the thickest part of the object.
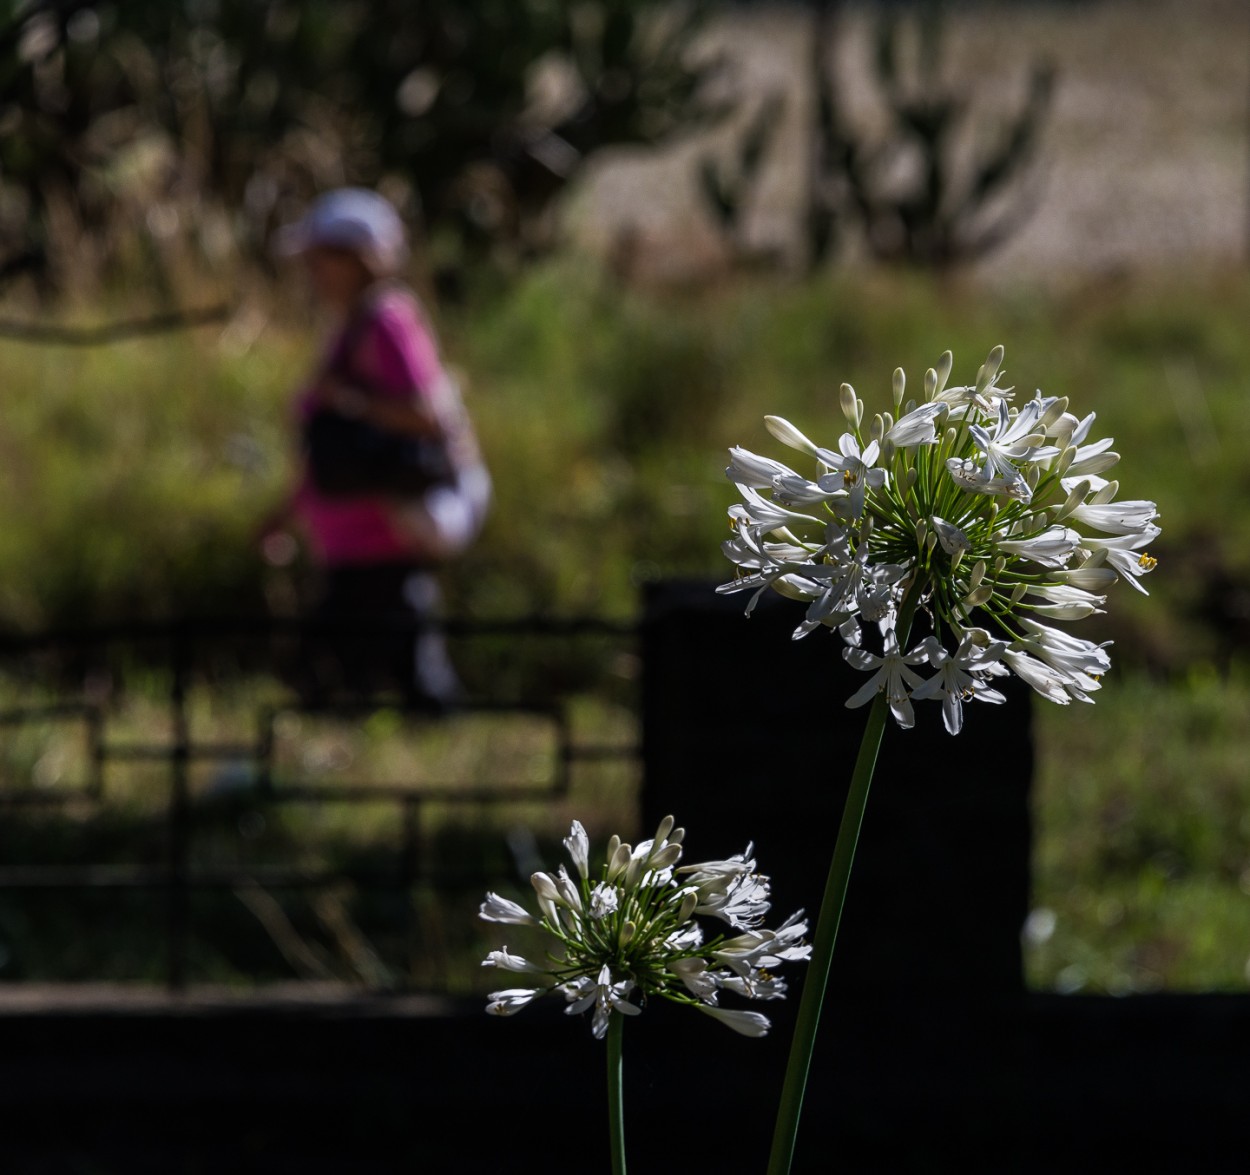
(983, 520)
(627, 931)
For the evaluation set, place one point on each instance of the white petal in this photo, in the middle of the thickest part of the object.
(917, 427)
(750, 469)
(511, 1000)
(508, 962)
(1118, 517)
(497, 909)
(747, 1023)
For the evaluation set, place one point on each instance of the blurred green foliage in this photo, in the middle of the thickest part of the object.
(132, 477)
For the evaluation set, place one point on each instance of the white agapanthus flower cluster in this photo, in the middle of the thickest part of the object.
(629, 930)
(982, 518)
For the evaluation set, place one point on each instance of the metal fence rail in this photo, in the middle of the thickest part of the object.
(179, 652)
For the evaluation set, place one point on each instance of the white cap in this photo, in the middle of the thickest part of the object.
(356, 219)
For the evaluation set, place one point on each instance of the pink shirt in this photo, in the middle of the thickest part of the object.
(398, 357)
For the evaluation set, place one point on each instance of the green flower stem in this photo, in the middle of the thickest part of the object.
(616, 1100)
(785, 1133)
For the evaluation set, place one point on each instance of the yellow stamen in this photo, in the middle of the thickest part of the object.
(1147, 562)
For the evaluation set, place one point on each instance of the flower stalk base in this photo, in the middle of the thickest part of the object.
(616, 1095)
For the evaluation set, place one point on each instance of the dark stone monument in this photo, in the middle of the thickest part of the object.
(747, 736)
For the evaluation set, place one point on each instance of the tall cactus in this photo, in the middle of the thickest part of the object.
(942, 215)
(728, 184)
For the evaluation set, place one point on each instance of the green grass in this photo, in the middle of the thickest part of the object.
(1142, 863)
(1141, 867)
(427, 936)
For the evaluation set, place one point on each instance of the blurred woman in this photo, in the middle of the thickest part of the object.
(392, 483)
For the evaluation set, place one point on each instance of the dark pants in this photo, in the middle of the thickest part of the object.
(372, 631)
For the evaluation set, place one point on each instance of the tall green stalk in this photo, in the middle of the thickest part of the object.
(785, 1133)
(616, 1100)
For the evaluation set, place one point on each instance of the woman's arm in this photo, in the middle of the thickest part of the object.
(411, 417)
(397, 362)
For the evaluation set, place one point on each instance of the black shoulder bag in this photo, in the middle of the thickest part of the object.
(349, 457)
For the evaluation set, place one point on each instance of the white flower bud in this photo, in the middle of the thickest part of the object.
(989, 369)
(545, 886)
(619, 861)
(788, 435)
(668, 856)
(1058, 406)
(578, 845)
(852, 409)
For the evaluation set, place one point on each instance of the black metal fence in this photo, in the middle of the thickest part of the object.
(184, 773)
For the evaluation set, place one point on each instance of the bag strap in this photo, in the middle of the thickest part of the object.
(342, 359)
(456, 430)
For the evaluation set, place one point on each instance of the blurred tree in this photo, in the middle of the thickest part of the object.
(729, 184)
(210, 120)
(62, 116)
